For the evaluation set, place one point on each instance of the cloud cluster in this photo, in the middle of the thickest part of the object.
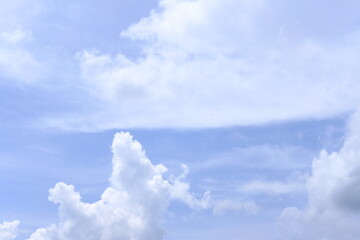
(9, 230)
(218, 63)
(333, 195)
(132, 207)
(201, 64)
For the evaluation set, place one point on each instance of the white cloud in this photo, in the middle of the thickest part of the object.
(203, 63)
(333, 193)
(132, 206)
(9, 230)
(217, 63)
(204, 30)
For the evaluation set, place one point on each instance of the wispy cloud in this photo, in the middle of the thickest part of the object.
(260, 157)
(293, 185)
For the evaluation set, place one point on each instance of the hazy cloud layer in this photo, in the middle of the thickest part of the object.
(219, 63)
(197, 64)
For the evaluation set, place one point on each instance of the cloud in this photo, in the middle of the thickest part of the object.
(15, 36)
(18, 65)
(295, 184)
(9, 230)
(19, 62)
(200, 64)
(19, 12)
(228, 206)
(267, 156)
(217, 63)
(333, 195)
(132, 207)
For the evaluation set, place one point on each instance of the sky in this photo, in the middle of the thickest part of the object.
(179, 119)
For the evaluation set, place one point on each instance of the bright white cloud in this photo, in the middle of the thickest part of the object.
(9, 230)
(217, 63)
(333, 193)
(132, 206)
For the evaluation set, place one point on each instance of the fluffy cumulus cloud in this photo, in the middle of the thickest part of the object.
(132, 207)
(9, 230)
(333, 195)
(217, 63)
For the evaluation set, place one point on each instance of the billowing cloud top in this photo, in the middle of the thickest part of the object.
(132, 207)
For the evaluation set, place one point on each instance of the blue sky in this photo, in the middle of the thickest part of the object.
(250, 105)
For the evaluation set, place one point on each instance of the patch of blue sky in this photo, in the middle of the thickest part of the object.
(69, 26)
